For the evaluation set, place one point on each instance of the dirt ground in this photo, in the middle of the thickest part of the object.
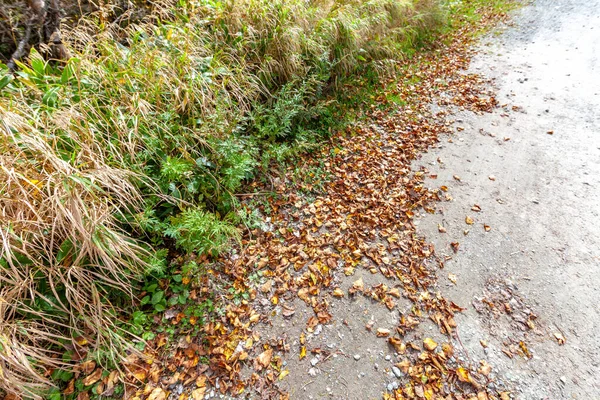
(542, 252)
(524, 182)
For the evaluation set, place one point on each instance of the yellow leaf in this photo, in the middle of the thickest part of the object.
(338, 292)
(463, 375)
(452, 277)
(198, 394)
(358, 284)
(302, 352)
(283, 374)
(429, 344)
(469, 220)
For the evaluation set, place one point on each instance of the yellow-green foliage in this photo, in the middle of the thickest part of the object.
(149, 131)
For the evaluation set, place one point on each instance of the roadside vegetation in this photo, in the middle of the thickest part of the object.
(123, 166)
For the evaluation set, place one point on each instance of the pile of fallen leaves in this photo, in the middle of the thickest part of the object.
(363, 218)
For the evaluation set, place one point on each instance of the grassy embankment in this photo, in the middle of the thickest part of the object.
(133, 151)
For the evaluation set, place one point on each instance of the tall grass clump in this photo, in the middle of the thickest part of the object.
(143, 138)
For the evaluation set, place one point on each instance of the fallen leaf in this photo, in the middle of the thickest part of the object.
(266, 287)
(382, 332)
(455, 246)
(358, 285)
(429, 344)
(456, 177)
(93, 377)
(264, 359)
(523, 347)
(485, 368)
(550, 132)
(398, 345)
(441, 229)
(302, 352)
(198, 394)
(492, 178)
(463, 374)
(487, 228)
(560, 338)
(288, 311)
(157, 394)
(469, 220)
(504, 396)
(476, 208)
(452, 278)
(337, 292)
(283, 374)
(483, 343)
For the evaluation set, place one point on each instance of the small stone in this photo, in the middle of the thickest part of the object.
(318, 329)
(314, 361)
(397, 371)
(388, 357)
(395, 384)
(312, 372)
(390, 387)
(563, 379)
(357, 357)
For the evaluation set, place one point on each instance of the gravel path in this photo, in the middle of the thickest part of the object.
(533, 168)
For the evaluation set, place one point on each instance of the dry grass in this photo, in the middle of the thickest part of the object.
(62, 250)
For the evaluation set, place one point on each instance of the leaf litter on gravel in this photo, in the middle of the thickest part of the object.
(363, 218)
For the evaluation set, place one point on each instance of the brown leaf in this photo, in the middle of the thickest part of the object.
(93, 377)
(455, 246)
(157, 394)
(398, 344)
(382, 332)
(560, 338)
(441, 229)
(264, 359)
(266, 287)
(288, 311)
(487, 228)
(485, 368)
(476, 208)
